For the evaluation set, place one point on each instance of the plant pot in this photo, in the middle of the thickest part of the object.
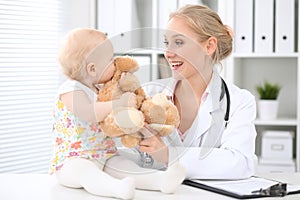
(267, 109)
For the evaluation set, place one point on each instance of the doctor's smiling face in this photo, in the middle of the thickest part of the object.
(188, 56)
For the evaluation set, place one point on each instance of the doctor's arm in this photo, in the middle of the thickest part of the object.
(234, 158)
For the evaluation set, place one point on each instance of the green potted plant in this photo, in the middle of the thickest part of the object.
(268, 100)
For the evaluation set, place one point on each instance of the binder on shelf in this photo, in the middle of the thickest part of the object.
(254, 187)
(284, 26)
(263, 26)
(244, 26)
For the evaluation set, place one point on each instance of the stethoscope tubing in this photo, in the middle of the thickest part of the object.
(226, 117)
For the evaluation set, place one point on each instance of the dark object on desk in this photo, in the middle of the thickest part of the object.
(278, 190)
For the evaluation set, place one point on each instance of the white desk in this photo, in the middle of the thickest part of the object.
(45, 187)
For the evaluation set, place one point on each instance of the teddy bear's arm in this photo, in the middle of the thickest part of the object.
(109, 91)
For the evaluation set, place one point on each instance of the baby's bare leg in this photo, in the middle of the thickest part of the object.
(149, 179)
(80, 172)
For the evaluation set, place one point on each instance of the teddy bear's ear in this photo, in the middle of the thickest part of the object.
(126, 64)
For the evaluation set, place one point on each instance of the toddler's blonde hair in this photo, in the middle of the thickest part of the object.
(77, 45)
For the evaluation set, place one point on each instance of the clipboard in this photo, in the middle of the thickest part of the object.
(254, 187)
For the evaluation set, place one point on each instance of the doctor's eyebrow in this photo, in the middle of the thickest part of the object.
(176, 35)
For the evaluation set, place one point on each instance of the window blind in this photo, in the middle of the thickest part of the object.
(29, 31)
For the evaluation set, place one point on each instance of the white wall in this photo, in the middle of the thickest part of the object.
(80, 13)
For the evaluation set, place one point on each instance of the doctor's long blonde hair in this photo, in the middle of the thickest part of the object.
(207, 23)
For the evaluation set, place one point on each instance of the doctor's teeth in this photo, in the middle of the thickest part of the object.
(176, 63)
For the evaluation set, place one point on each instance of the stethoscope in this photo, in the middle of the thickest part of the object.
(224, 89)
(147, 161)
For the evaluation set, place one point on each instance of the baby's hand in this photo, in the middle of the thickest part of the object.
(128, 99)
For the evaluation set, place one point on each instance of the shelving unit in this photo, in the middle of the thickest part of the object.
(249, 69)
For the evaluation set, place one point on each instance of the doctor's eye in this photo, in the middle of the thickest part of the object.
(178, 42)
(166, 43)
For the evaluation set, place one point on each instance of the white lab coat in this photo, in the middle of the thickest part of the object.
(232, 154)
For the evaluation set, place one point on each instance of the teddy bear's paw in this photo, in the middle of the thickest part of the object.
(153, 113)
(160, 110)
(132, 140)
(172, 115)
(110, 128)
(161, 99)
(129, 119)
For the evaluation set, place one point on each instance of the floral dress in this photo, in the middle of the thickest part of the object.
(73, 137)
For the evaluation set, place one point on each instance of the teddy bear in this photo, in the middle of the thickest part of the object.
(125, 122)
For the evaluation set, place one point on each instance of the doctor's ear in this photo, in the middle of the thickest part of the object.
(91, 69)
(211, 45)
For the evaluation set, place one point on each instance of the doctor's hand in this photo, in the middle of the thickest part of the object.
(154, 145)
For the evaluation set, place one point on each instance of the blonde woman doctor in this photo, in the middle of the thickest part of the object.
(216, 135)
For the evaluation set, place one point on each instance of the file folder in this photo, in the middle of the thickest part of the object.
(263, 26)
(285, 26)
(254, 187)
(243, 26)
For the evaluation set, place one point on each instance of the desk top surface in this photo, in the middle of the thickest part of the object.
(45, 187)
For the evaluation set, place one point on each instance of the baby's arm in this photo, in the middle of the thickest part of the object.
(78, 103)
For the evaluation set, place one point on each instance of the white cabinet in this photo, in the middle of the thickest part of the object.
(249, 69)
(119, 19)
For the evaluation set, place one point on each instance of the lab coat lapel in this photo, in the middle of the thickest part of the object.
(210, 111)
(209, 118)
(200, 125)
(204, 118)
(213, 138)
